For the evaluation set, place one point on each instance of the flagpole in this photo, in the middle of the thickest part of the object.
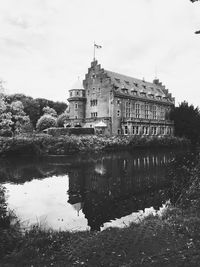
(94, 51)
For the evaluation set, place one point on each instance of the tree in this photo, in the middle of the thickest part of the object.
(49, 111)
(197, 32)
(5, 118)
(186, 121)
(46, 121)
(62, 118)
(19, 118)
(34, 107)
(58, 106)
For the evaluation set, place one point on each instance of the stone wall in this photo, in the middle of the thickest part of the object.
(69, 131)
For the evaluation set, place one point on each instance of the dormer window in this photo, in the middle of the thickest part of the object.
(134, 92)
(151, 95)
(117, 80)
(77, 93)
(143, 94)
(144, 86)
(136, 85)
(124, 90)
(127, 82)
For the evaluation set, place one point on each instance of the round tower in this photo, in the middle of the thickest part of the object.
(77, 101)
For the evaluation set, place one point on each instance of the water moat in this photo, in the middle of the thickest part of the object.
(92, 192)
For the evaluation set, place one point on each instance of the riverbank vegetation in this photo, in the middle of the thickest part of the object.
(172, 239)
(43, 144)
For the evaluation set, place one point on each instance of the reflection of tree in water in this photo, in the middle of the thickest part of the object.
(4, 219)
(115, 187)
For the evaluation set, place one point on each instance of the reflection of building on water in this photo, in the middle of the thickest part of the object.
(115, 187)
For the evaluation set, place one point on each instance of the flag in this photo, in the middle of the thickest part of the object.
(97, 46)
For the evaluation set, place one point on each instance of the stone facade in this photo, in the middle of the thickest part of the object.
(123, 104)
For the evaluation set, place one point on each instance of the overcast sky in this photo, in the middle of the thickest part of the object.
(46, 44)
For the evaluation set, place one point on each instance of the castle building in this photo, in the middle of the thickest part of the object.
(115, 104)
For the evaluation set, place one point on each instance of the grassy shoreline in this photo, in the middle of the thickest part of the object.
(42, 144)
(170, 240)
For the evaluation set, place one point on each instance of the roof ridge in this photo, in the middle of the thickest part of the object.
(129, 77)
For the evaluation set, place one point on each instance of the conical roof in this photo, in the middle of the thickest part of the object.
(77, 85)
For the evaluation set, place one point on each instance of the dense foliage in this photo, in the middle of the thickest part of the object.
(46, 121)
(62, 118)
(43, 144)
(187, 122)
(34, 107)
(5, 118)
(21, 122)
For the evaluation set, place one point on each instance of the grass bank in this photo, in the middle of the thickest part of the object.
(43, 144)
(170, 240)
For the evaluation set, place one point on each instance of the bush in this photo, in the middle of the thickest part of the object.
(46, 121)
(61, 119)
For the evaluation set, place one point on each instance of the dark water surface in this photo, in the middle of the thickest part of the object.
(93, 191)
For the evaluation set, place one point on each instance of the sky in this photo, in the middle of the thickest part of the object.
(45, 45)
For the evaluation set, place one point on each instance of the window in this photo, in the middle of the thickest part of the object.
(93, 102)
(93, 114)
(135, 130)
(117, 80)
(127, 82)
(76, 117)
(118, 131)
(126, 130)
(143, 94)
(76, 105)
(124, 90)
(169, 130)
(127, 109)
(154, 130)
(77, 93)
(118, 113)
(145, 130)
(146, 111)
(137, 106)
(162, 113)
(134, 92)
(154, 112)
(162, 130)
(118, 102)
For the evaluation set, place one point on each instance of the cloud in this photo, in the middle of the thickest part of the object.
(46, 44)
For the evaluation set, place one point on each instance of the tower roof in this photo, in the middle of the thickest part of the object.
(77, 85)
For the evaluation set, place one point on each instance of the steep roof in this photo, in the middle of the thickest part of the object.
(123, 83)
